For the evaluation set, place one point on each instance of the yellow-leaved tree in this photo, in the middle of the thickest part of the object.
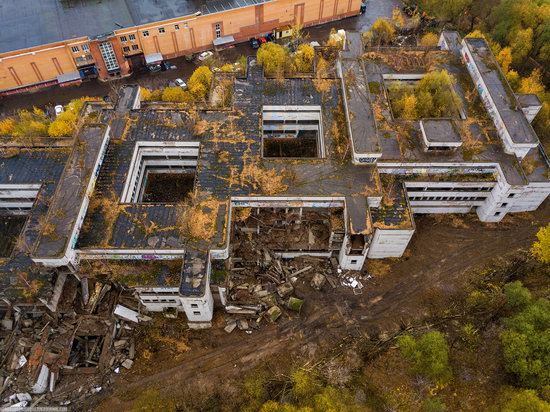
(429, 40)
(532, 84)
(273, 58)
(303, 60)
(504, 58)
(199, 82)
(541, 248)
(7, 126)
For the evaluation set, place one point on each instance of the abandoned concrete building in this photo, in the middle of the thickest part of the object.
(159, 196)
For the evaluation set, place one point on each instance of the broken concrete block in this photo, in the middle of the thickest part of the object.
(128, 363)
(130, 315)
(120, 343)
(242, 324)
(41, 383)
(295, 304)
(285, 289)
(20, 397)
(230, 327)
(7, 324)
(262, 293)
(27, 323)
(273, 313)
(318, 281)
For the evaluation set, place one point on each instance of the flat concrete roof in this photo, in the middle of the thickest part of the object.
(31, 165)
(453, 40)
(29, 23)
(70, 192)
(528, 99)
(504, 98)
(440, 131)
(364, 133)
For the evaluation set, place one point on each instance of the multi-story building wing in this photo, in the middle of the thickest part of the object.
(64, 41)
(327, 163)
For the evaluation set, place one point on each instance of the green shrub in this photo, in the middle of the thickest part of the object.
(429, 354)
(433, 405)
(516, 295)
(525, 401)
(526, 345)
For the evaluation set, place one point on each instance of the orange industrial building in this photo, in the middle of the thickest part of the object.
(67, 41)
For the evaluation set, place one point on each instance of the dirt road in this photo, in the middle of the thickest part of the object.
(438, 256)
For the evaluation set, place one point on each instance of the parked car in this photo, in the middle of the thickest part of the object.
(254, 43)
(169, 66)
(58, 110)
(269, 37)
(180, 83)
(154, 68)
(363, 8)
(205, 55)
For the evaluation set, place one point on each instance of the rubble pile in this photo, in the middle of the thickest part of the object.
(263, 287)
(60, 358)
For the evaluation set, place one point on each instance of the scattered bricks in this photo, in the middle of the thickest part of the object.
(128, 363)
(273, 313)
(285, 289)
(318, 281)
(295, 304)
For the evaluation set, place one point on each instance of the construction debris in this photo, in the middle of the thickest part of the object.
(318, 281)
(261, 284)
(56, 359)
(273, 313)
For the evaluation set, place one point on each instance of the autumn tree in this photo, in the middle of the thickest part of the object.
(273, 58)
(175, 94)
(148, 95)
(31, 123)
(541, 248)
(405, 107)
(303, 59)
(60, 128)
(446, 10)
(7, 126)
(513, 78)
(227, 68)
(532, 84)
(381, 33)
(504, 59)
(199, 82)
(65, 123)
(521, 42)
(435, 96)
(429, 40)
(397, 18)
